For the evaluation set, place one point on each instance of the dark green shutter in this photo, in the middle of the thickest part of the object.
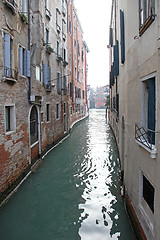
(122, 36)
(151, 110)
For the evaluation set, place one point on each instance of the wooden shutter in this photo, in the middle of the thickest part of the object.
(122, 36)
(45, 74)
(151, 110)
(21, 60)
(7, 55)
(59, 83)
(111, 37)
(116, 59)
(25, 62)
(28, 62)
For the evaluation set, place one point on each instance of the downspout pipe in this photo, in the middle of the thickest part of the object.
(29, 41)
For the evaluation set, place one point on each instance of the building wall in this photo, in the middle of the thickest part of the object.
(34, 86)
(141, 63)
(77, 66)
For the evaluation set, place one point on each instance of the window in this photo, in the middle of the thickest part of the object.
(58, 49)
(148, 193)
(33, 125)
(64, 107)
(83, 93)
(75, 73)
(41, 117)
(71, 89)
(57, 111)
(7, 55)
(47, 36)
(82, 55)
(58, 20)
(64, 55)
(75, 43)
(146, 14)
(122, 36)
(24, 61)
(38, 73)
(48, 112)
(10, 122)
(64, 29)
(65, 84)
(59, 83)
(70, 26)
(47, 76)
(148, 108)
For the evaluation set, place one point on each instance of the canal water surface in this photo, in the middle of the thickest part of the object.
(75, 194)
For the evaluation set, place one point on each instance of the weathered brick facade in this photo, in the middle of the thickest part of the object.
(35, 98)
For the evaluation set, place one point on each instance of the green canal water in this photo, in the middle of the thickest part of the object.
(75, 194)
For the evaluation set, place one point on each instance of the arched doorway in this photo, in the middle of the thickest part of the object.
(33, 125)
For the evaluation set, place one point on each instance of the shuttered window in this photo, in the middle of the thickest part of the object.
(48, 112)
(7, 55)
(116, 59)
(122, 36)
(59, 83)
(146, 14)
(71, 89)
(57, 111)
(46, 75)
(24, 62)
(111, 37)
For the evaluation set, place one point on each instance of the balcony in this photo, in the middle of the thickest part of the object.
(11, 4)
(64, 36)
(146, 139)
(58, 28)
(48, 87)
(10, 75)
(49, 49)
(65, 63)
(59, 57)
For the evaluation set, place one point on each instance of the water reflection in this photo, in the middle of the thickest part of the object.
(75, 194)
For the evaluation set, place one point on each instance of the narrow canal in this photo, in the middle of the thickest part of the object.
(75, 194)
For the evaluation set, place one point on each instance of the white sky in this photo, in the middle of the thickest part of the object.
(94, 17)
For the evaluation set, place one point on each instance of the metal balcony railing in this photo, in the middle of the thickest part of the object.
(145, 136)
(11, 4)
(10, 74)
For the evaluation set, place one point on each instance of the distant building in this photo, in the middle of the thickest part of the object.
(100, 96)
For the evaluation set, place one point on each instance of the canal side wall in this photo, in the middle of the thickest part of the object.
(16, 182)
(133, 217)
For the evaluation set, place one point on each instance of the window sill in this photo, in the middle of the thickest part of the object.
(146, 25)
(153, 151)
(34, 144)
(10, 132)
(147, 218)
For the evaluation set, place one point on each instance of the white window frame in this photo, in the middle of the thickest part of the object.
(38, 73)
(12, 118)
(145, 210)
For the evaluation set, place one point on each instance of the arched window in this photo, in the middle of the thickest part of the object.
(33, 125)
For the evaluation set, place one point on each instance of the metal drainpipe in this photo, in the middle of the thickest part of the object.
(29, 40)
